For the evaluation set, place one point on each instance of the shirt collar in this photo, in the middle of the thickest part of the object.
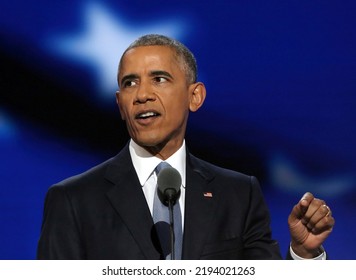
(144, 163)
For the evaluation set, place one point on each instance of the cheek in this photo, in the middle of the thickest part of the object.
(180, 106)
(178, 112)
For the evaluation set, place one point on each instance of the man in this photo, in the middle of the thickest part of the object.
(106, 212)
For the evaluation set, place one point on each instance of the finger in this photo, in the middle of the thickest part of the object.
(313, 211)
(328, 213)
(321, 212)
(325, 224)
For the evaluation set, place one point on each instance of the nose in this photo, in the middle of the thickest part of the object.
(144, 93)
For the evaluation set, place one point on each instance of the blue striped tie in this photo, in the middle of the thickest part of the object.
(162, 223)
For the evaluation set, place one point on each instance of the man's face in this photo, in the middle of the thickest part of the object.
(155, 98)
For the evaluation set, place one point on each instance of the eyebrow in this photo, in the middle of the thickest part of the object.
(153, 73)
(160, 73)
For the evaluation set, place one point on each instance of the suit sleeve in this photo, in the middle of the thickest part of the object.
(60, 233)
(258, 240)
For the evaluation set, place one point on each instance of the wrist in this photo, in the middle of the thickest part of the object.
(305, 253)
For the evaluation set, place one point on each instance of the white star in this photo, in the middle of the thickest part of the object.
(286, 175)
(104, 39)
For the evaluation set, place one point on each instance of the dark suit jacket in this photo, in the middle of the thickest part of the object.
(103, 214)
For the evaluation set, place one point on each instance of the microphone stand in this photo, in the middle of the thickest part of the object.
(171, 227)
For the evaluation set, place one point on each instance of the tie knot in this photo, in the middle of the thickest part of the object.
(161, 166)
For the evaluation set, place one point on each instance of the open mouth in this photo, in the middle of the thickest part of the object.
(146, 115)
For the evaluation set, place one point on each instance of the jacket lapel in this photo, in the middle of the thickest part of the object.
(127, 198)
(199, 208)
(129, 201)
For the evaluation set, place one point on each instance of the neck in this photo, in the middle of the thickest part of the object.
(165, 150)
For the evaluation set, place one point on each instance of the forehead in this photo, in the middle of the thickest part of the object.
(149, 56)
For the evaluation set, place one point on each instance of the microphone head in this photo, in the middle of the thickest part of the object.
(168, 185)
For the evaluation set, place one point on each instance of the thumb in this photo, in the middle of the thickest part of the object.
(300, 208)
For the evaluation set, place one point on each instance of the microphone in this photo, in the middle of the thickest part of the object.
(168, 185)
(168, 191)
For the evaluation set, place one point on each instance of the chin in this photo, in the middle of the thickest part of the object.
(148, 141)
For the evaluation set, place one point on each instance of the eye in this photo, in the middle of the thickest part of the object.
(129, 83)
(160, 79)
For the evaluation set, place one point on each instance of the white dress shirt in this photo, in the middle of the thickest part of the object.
(145, 164)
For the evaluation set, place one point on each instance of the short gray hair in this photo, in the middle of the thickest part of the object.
(183, 53)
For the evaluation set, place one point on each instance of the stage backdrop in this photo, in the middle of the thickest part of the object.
(281, 81)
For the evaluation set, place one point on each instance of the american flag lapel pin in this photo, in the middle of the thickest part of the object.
(208, 194)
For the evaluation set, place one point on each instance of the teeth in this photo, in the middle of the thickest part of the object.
(147, 115)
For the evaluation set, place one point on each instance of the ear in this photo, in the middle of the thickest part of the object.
(197, 96)
(119, 104)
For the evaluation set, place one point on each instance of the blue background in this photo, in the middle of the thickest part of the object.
(281, 81)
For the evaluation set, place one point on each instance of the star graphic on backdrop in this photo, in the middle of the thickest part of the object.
(287, 175)
(103, 40)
